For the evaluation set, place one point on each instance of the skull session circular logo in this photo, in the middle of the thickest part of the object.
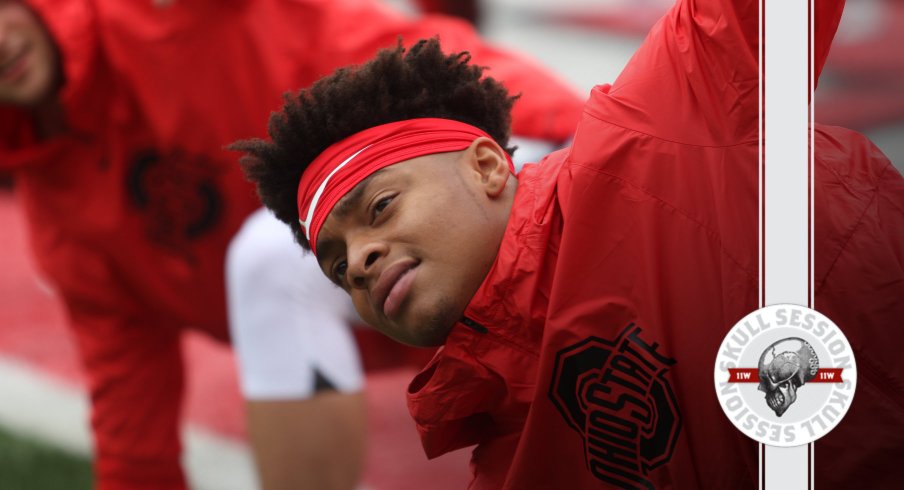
(785, 375)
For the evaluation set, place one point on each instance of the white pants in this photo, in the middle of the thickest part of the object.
(289, 323)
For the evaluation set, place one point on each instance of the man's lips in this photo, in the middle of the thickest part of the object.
(14, 68)
(392, 286)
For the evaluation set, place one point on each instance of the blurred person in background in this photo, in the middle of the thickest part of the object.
(113, 120)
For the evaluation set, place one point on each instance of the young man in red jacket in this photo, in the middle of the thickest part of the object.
(581, 302)
(113, 120)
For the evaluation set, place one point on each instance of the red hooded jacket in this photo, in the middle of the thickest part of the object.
(132, 208)
(585, 359)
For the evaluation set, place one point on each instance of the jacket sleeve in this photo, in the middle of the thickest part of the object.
(722, 24)
(859, 280)
(352, 31)
(695, 79)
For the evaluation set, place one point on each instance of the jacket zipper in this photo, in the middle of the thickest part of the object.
(484, 330)
(473, 325)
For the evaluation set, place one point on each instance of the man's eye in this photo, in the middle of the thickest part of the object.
(339, 271)
(381, 205)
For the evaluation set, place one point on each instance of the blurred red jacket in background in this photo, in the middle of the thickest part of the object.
(132, 208)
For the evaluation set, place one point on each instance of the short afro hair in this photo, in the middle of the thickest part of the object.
(393, 86)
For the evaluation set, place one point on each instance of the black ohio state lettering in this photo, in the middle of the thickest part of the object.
(617, 396)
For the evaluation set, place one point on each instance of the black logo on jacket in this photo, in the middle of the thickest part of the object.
(617, 396)
(177, 196)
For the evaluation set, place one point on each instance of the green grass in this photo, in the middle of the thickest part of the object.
(29, 465)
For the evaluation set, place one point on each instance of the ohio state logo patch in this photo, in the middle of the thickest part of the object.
(176, 195)
(616, 394)
(785, 375)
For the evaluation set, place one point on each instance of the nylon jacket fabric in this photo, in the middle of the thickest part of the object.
(131, 209)
(585, 359)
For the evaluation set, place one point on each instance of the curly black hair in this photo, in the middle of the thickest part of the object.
(393, 86)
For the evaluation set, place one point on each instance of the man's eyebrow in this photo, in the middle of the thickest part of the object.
(342, 209)
(351, 200)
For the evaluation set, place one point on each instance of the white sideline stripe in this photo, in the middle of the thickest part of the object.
(41, 407)
(214, 462)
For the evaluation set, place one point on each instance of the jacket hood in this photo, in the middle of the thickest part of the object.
(71, 24)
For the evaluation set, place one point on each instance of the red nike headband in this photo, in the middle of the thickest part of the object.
(344, 164)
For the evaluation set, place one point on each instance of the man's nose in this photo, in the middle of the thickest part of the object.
(364, 262)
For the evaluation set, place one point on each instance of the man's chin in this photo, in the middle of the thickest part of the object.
(428, 330)
(424, 337)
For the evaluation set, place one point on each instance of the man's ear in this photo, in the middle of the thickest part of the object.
(489, 162)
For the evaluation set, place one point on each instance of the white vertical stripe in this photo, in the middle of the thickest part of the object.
(786, 202)
(811, 281)
(786, 113)
(812, 163)
(759, 473)
(759, 208)
(787, 468)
